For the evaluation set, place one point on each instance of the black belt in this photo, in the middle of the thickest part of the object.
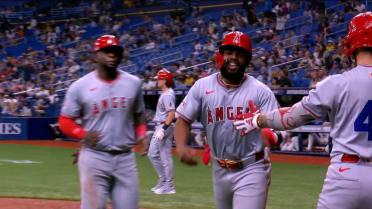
(118, 152)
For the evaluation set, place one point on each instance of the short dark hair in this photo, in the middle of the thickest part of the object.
(169, 84)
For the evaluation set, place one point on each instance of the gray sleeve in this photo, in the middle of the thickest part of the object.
(321, 99)
(190, 106)
(169, 102)
(139, 103)
(72, 106)
(288, 117)
(316, 105)
(267, 100)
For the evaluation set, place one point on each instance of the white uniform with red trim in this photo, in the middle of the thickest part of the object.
(347, 99)
(109, 168)
(216, 106)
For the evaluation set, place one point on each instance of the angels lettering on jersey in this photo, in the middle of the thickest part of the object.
(109, 104)
(222, 113)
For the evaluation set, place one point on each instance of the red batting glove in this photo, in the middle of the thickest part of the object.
(76, 156)
(206, 155)
(246, 118)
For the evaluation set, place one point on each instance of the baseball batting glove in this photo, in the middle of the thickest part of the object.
(159, 134)
(247, 122)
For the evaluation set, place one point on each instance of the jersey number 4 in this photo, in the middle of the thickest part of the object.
(363, 123)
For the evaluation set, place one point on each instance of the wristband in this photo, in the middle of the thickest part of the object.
(165, 126)
(255, 121)
(78, 133)
(141, 130)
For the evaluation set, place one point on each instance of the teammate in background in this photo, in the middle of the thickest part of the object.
(347, 100)
(160, 152)
(241, 170)
(111, 106)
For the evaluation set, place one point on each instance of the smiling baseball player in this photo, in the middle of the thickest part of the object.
(241, 174)
(347, 100)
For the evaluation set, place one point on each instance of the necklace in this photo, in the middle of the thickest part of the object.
(232, 85)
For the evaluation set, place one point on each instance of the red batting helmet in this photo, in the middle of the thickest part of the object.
(220, 59)
(360, 33)
(106, 41)
(164, 74)
(236, 39)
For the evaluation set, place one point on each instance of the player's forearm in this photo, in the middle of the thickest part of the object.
(181, 132)
(70, 128)
(170, 117)
(285, 118)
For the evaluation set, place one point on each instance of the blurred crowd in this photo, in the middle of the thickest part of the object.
(296, 57)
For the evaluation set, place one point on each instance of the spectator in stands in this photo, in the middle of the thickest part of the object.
(179, 84)
(24, 109)
(41, 105)
(11, 102)
(53, 97)
(281, 19)
(335, 69)
(189, 81)
(283, 79)
(149, 83)
(290, 142)
(5, 109)
(359, 6)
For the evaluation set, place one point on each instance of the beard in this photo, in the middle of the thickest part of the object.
(233, 77)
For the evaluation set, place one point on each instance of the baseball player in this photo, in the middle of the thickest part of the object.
(160, 152)
(111, 106)
(347, 99)
(241, 170)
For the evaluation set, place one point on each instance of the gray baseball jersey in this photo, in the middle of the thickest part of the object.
(109, 108)
(347, 99)
(166, 103)
(217, 106)
(106, 107)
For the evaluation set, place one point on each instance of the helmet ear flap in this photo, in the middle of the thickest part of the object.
(220, 59)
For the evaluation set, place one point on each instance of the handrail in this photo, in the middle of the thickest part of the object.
(289, 39)
(138, 24)
(285, 63)
(177, 52)
(204, 63)
(54, 84)
(334, 6)
(296, 68)
(184, 35)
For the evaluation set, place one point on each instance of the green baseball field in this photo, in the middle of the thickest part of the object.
(42, 172)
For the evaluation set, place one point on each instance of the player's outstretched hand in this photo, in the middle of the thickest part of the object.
(244, 122)
(186, 155)
(91, 138)
(143, 146)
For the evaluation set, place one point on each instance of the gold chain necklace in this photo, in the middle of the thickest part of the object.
(231, 85)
